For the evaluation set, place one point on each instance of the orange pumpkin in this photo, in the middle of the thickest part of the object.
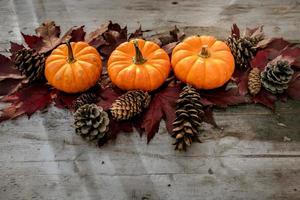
(138, 64)
(74, 67)
(203, 62)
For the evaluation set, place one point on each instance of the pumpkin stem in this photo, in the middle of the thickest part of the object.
(204, 51)
(138, 58)
(71, 58)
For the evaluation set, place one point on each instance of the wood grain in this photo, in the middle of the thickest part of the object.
(247, 158)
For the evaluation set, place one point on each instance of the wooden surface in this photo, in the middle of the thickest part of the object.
(249, 158)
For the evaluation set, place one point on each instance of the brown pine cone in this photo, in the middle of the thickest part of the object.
(31, 64)
(242, 49)
(189, 115)
(276, 76)
(254, 83)
(91, 122)
(129, 105)
(85, 98)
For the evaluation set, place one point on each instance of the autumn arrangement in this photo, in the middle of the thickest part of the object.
(116, 82)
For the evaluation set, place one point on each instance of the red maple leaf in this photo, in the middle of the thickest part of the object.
(223, 98)
(63, 100)
(162, 105)
(26, 101)
(14, 48)
(10, 77)
(48, 37)
(265, 98)
(107, 96)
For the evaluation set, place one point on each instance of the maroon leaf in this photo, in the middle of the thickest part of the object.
(107, 37)
(174, 35)
(95, 38)
(63, 100)
(293, 54)
(169, 47)
(108, 96)
(235, 30)
(7, 69)
(74, 34)
(241, 78)
(138, 33)
(9, 85)
(209, 116)
(14, 48)
(294, 87)
(33, 41)
(265, 98)
(48, 37)
(162, 105)
(223, 98)
(26, 101)
(262, 58)
(116, 127)
(113, 38)
(277, 44)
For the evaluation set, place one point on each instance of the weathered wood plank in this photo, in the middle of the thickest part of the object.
(248, 159)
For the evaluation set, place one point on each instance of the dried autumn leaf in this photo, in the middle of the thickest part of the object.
(7, 69)
(116, 127)
(63, 100)
(174, 35)
(138, 33)
(95, 38)
(108, 96)
(14, 48)
(292, 54)
(208, 116)
(223, 98)
(74, 34)
(162, 105)
(256, 32)
(265, 98)
(50, 33)
(48, 37)
(10, 78)
(26, 101)
(277, 44)
(241, 79)
(235, 31)
(107, 37)
(10, 85)
(169, 47)
(33, 41)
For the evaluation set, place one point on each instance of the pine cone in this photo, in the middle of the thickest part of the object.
(85, 98)
(130, 104)
(189, 115)
(254, 84)
(243, 49)
(91, 122)
(276, 77)
(31, 64)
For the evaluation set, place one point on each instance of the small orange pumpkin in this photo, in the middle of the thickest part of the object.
(203, 62)
(138, 64)
(74, 67)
